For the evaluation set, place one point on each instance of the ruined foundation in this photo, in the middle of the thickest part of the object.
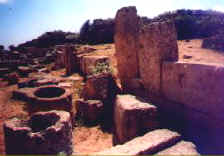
(44, 133)
(51, 97)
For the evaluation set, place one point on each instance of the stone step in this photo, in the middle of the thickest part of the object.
(133, 117)
(150, 143)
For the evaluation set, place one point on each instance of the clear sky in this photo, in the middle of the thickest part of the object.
(23, 20)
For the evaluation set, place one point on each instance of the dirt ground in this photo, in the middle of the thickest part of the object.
(195, 54)
(93, 139)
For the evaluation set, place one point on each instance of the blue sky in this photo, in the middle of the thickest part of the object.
(23, 20)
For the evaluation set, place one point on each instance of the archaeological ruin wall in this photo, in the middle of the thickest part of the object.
(149, 53)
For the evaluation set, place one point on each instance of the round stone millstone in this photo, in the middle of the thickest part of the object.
(44, 133)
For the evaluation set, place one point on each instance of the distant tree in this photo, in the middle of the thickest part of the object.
(2, 47)
(12, 47)
(84, 31)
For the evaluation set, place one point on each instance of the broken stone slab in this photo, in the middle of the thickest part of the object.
(181, 148)
(150, 143)
(44, 133)
(133, 117)
(89, 110)
(88, 63)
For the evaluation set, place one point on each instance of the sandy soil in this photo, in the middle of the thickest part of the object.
(193, 52)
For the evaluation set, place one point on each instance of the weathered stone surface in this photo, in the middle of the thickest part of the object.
(99, 87)
(89, 110)
(150, 143)
(201, 91)
(22, 94)
(126, 44)
(60, 60)
(27, 82)
(69, 58)
(44, 133)
(158, 43)
(181, 148)
(88, 63)
(12, 78)
(51, 97)
(132, 118)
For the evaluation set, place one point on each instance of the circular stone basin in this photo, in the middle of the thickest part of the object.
(50, 97)
(49, 92)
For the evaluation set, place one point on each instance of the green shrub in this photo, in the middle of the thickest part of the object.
(101, 67)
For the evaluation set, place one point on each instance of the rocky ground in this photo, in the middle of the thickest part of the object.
(88, 139)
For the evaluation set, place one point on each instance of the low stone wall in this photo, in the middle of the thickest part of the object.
(194, 92)
(197, 86)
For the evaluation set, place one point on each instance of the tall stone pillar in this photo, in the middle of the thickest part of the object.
(126, 44)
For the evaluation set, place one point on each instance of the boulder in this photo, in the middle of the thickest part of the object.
(89, 110)
(133, 117)
(47, 133)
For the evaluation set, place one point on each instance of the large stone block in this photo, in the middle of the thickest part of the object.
(99, 87)
(132, 118)
(126, 44)
(44, 133)
(150, 143)
(196, 86)
(158, 43)
(89, 110)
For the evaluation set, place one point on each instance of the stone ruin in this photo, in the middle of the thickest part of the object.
(190, 94)
(44, 133)
(147, 55)
(51, 97)
(141, 49)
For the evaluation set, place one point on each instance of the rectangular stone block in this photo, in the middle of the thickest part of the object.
(132, 118)
(150, 143)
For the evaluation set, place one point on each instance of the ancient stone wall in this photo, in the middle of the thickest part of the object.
(126, 41)
(158, 43)
(149, 52)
